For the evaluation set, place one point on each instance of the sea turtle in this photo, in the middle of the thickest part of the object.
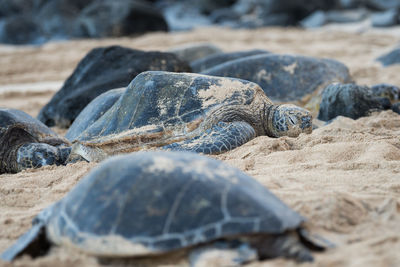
(186, 111)
(350, 100)
(286, 78)
(219, 58)
(93, 111)
(27, 143)
(103, 69)
(150, 203)
(191, 52)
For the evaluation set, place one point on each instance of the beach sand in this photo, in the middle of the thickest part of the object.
(344, 177)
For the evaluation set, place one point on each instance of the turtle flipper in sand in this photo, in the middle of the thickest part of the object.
(27, 143)
(159, 109)
(220, 138)
(164, 202)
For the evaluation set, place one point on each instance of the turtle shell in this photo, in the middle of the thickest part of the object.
(219, 58)
(284, 77)
(155, 202)
(160, 102)
(92, 112)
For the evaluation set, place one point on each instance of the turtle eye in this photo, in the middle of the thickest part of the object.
(293, 119)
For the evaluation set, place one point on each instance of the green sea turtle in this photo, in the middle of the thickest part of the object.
(191, 52)
(286, 78)
(213, 60)
(150, 203)
(185, 111)
(27, 143)
(93, 111)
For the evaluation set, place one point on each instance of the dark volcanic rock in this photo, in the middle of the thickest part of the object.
(116, 18)
(66, 19)
(349, 100)
(14, 7)
(284, 77)
(21, 29)
(94, 110)
(219, 58)
(390, 58)
(103, 69)
(57, 17)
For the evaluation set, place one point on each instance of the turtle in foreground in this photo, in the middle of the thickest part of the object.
(151, 203)
(192, 112)
(27, 143)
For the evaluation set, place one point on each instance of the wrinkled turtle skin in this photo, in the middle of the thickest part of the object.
(27, 143)
(103, 69)
(192, 112)
(202, 64)
(285, 78)
(149, 203)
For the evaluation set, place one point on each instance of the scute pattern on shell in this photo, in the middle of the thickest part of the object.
(163, 189)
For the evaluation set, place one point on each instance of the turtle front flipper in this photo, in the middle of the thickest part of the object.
(220, 138)
(33, 243)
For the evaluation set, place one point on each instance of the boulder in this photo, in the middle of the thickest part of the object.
(103, 69)
(105, 18)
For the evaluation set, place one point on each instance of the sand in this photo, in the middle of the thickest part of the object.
(343, 177)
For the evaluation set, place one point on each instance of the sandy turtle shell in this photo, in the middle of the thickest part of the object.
(27, 143)
(150, 203)
(183, 111)
(285, 77)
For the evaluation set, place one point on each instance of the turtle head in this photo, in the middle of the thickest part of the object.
(288, 120)
(36, 155)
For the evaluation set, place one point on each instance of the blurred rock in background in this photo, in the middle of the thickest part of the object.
(38, 21)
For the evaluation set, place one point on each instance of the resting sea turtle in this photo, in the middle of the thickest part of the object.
(27, 143)
(92, 112)
(350, 100)
(185, 111)
(219, 58)
(149, 203)
(191, 52)
(286, 77)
